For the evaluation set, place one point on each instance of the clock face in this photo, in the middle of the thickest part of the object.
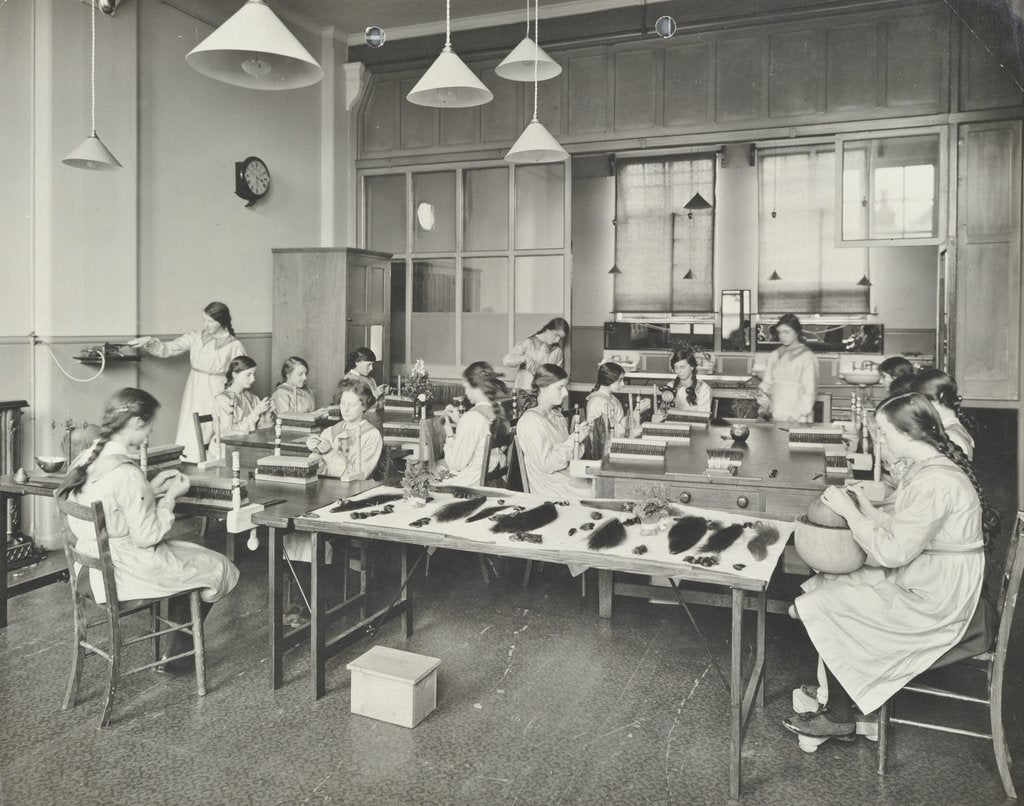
(256, 176)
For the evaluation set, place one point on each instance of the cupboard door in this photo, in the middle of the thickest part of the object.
(984, 83)
(988, 283)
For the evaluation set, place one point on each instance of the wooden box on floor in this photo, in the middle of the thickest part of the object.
(394, 686)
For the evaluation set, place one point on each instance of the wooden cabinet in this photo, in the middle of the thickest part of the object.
(986, 362)
(327, 302)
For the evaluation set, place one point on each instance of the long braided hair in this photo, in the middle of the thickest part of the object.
(685, 354)
(481, 375)
(940, 387)
(219, 313)
(124, 405)
(238, 364)
(912, 414)
(545, 375)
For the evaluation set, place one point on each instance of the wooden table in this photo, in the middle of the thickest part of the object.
(745, 592)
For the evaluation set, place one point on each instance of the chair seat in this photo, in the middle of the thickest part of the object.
(84, 589)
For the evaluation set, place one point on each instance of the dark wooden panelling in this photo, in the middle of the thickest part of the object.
(739, 72)
(916, 56)
(459, 126)
(588, 94)
(795, 75)
(983, 82)
(501, 119)
(636, 89)
(851, 77)
(989, 208)
(549, 100)
(687, 84)
(380, 117)
(419, 123)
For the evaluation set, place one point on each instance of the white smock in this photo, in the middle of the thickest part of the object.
(147, 565)
(543, 438)
(791, 381)
(680, 402)
(288, 399)
(209, 358)
(879, 627)
(464, 450)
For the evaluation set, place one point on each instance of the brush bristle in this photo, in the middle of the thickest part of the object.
(607, 536)
(723, 538)
(362, 503)
(458, 509)
(528, 521)
(686, 533)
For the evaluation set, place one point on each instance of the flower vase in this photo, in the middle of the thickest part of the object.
(649, 524)
(417, 501)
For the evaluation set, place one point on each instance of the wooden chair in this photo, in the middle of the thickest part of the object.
(992, 662)
(201, 444)
(518, 452)
(83, 599)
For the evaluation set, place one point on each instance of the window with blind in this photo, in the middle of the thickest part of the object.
(800, 270)
(664, 250)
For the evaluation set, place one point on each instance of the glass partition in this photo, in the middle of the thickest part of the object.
(736, 321)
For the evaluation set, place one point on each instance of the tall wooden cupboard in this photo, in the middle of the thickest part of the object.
(328, 302)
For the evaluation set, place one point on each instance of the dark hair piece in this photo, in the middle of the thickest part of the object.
(901, 385)
(914, 415)
(481, 375)
(940, 387)
(219, 312)
(360, 389)
(896, 367)
(686, 533)
(607, 374)
(545, 375)
(559, 324)
(685, 354)
(125, 404)
(238, 364)
(290, 364)
(357, 355)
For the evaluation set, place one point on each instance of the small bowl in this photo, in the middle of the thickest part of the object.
(739, 432)
(51, 464)
(827, 549)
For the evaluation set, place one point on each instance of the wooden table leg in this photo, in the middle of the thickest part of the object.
(762, 611)
(229, 544)
(406, 594)
(3, 560)
(276, 580)
(736, 695)
(317, 631)
(605, 588)
(363, 576)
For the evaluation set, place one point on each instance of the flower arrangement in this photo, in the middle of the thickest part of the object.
(420, 478)
(651, 504)
(418, 386)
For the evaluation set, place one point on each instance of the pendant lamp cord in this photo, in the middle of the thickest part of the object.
(93, 71)
(536, 47)
(527, 26)
(447, 24)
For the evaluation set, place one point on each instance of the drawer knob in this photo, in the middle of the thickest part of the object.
(743, 502)
(684, 498)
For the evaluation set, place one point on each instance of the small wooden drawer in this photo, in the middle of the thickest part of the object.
(736, 499)
(790, 502)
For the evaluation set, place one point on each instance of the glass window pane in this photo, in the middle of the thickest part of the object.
(396, 332)
(433, 310)
(540, 206)
(539, 292)
(385, 213)
(485, 309)
(485, 198)
(433, 211)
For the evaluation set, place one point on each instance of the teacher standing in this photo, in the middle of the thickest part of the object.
(790, 384)
(210, 351)
(546, 346)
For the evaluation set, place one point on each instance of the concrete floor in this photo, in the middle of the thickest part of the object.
(540, 701)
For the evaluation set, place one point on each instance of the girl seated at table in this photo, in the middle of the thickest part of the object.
(349, 450)
(603, 405)
(892, 368)
(139, 515)
(545, 441)
(292, 396)
(941, 390)
(236, 410)
(466, 434)
(879, 627)
(359, 366)
(689, 393)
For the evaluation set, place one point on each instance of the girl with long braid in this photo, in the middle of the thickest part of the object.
(941, 390)
(877, 628)
(465, 434)
(139, 515)
(689, 393)
(604, 406)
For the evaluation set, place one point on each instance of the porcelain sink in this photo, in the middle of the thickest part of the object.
(864, 377)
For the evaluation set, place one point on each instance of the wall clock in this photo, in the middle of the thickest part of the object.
(252, 180)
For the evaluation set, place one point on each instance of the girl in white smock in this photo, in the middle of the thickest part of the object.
(545, 441)
(689, 393)
(941, 390)
(359, 365)
(292, 396)
(236, 410)
(466, 434)
(877, 628)
(139, 515)
(546, 346)
(210, 351)
(603, 406)
(790, 384)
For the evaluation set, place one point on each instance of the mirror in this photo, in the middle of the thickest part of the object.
(736, 321)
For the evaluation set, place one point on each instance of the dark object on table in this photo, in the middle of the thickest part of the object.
(526, 537)
(458, 509)
(458, 492)
(610, 534)
(586, 527)
(573, 531)
(485, 513)
(529, 520)
(686, 533)
(707, 561)
(641, 549)
(374, 500)
(723, 538)
(739, 432)
(596, 516)
(739, 566)
(634, 521)
(767, 535)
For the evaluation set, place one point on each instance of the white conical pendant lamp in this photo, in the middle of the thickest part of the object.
(254, 49)
(518, 65)
(448, 82)
(91, 154)
(536, 143)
